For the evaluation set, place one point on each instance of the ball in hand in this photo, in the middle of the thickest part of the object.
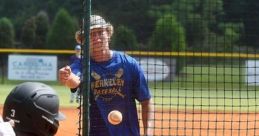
(115, 117)
(79, 37)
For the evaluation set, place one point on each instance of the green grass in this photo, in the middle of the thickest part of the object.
(63, 93)
(205, 99)
(215, 88)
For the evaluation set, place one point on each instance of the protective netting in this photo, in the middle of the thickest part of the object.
(199, 58)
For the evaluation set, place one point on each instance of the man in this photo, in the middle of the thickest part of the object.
(32, 109)
(116, 82)
(75, 59)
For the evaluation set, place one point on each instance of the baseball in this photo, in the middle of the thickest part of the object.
(115, 117)
(79, 36)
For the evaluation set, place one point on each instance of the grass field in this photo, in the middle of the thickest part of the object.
(195, 99)
(202, 101)
(215, 88)
(63, 93)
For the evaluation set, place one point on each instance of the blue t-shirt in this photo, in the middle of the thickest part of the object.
(115, 85)
(75, 65)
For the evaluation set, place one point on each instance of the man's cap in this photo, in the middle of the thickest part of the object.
(77, 47)
(97, 21)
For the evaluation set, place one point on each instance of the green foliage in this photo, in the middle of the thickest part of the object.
(199, 18)
(28, 33)
(124, 39)
(209, 10)
(7, 33)
(196, 32)
(230, 35)
(183, 8)
(141, 16)
(131, 13)
(42, 23)
(231, 38)
(158, 11)
(169, 35)
(61, 34)
(251, 20)
(234, 9)
(35, 30)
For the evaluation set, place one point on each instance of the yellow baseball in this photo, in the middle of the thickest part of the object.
(115, 117)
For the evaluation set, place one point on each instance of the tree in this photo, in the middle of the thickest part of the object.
(28, 34)
(234, 10)
(124, 39)
(199, 18)
(7, 33)
(230, 36)
(131, 13)
(42, 23)
(196, 32)
(251, 22)
(62, 31)
(169, 35)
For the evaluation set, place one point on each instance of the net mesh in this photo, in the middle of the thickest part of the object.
(199, 59)
(210, 96)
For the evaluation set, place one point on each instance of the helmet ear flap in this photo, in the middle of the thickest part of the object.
(50, 129)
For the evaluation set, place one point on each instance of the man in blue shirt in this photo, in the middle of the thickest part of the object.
(75, 59)
(116, 82)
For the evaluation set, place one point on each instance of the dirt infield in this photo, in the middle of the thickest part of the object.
(183, 123)
(206, 124)
(69, 127)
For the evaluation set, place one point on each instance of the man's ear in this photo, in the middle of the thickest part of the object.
(110, 31)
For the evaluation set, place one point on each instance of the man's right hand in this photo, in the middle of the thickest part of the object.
(66, 77)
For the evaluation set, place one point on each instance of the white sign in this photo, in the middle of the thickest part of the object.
(154, 69)
(32, 67)
(252, 69)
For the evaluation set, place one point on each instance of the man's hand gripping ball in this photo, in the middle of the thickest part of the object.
(67, 78)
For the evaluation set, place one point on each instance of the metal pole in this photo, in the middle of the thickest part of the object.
(86, 68)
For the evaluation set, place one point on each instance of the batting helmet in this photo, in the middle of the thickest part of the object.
(34, 107)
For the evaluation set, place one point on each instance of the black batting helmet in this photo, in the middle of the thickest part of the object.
(34, 107)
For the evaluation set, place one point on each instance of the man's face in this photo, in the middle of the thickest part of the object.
(99, 41)
(78, 51)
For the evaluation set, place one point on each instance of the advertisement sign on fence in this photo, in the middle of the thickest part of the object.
(158, 69)
(252, 72)
(32, 67)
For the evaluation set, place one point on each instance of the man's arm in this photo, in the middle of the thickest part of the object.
(148, 117)
(66, 77)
